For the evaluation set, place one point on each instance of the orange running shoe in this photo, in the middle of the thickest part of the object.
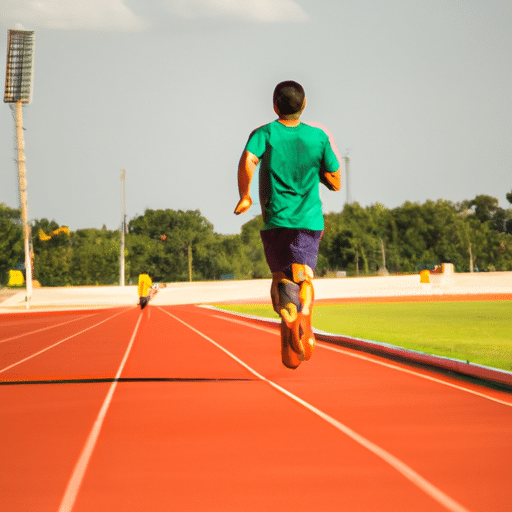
(289, 309)
(306, 297)
(288, 356)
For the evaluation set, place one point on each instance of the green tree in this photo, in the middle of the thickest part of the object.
(52, 258)
(139, 249)
(350, 242)
(337, 250)
(173, 241)
(485, 207)
(365, 237)
(228, 259)
(499, 221)
(11, 241)
(253, 245)
(382, 231)
(95, 257)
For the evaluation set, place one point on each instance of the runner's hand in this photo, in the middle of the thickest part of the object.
(243, 205)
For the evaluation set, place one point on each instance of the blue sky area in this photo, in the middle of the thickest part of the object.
(418, 94)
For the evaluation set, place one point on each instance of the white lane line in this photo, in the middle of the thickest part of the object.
(412, 372)
(249, 324)
(357, 355)
(406, 471)
(43, 329)
(78, 473)
(58, 343)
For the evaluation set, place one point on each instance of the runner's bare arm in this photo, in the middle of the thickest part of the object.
(246, 168)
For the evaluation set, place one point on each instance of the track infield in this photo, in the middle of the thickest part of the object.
(474, 328)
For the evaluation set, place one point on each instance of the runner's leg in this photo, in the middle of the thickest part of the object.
(303, 275)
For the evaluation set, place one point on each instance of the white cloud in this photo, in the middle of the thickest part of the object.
(265, 11)
(102, 15)
(115, 15)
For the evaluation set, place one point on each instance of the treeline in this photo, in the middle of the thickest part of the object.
(169, 245)
(182, 245)
(474, 235)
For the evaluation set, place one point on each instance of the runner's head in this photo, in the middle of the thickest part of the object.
(289, 100)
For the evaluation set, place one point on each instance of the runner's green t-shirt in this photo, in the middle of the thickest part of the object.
(291, 160)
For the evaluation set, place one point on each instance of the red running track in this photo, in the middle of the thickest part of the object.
(188, 409)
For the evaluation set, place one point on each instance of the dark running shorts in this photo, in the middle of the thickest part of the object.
(284, 246)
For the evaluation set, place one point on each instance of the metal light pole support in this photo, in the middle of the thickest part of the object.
(27, 235)
(123, 228)
(346, 161)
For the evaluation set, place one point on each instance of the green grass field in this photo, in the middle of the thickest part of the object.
(479, 332)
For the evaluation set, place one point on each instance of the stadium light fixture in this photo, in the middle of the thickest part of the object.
(18, 90)
(20, 66)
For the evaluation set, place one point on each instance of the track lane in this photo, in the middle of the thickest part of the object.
(34, 341)
(227, 445)
(86, 349)
(455, 439)
(495, 395)
(81, 466)
(208, 443)
(43, 428)
(43, 425)
(14, 329)
(169, 350)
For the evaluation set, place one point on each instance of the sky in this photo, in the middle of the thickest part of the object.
(418, 95)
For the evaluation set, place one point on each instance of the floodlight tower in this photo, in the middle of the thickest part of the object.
(18, 90)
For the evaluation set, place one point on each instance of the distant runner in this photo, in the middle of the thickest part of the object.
(144, 290)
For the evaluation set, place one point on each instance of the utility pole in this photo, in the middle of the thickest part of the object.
(18, 90)
(123, 227)
(346, 162)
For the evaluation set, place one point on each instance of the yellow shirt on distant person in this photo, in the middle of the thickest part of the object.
(145, 284)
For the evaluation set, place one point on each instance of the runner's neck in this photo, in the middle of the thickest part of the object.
(289, 122)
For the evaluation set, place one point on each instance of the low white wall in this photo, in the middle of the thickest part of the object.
(257, 290)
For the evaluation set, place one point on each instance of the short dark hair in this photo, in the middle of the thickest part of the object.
(288, 97)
